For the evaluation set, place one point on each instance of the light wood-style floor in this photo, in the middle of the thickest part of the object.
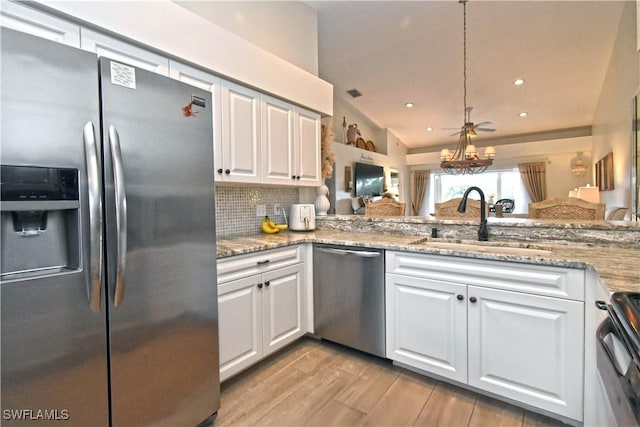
(316, 383)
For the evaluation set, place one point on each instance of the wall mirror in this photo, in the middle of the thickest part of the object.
(604, 173)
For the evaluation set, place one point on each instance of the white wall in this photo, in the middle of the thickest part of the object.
(612, 124)
(296, 38)
(368, 129)
(180, 33)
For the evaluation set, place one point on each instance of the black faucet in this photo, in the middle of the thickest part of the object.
(483, 233)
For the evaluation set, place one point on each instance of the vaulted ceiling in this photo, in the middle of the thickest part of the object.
(395, 52)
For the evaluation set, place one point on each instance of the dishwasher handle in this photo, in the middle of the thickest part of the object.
(361, 254)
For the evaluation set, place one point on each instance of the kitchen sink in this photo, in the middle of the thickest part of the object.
(492, 247)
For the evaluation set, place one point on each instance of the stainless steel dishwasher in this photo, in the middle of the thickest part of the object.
(348, 296)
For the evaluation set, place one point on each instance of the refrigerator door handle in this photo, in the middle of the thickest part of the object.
(95, 216)
(121, 215)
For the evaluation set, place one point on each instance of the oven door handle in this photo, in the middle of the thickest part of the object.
(608, 338)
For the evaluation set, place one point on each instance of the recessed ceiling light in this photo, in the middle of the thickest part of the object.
(524, 114)
(429, 129)
(518, 82)
(409, 104)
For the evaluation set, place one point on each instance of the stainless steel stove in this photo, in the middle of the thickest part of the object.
(618, 356)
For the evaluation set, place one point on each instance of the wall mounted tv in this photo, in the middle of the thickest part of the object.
(369, 180)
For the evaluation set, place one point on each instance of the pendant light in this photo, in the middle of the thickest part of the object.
(465, 158)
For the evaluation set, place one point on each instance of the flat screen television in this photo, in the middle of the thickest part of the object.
(369, 180)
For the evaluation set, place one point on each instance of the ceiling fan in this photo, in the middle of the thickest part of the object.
(469, 127)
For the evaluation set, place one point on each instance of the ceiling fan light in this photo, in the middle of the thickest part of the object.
(490, 152)
(464, 160)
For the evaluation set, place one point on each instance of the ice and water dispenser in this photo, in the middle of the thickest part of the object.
(40, 211)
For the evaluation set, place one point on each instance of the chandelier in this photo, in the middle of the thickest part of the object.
(465, 159)
(579, 168)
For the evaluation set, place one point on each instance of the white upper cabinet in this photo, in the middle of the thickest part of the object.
(277, 141)
(290, 144)
(118, 50)
(240, 135)
(28, 20)
(307, 157)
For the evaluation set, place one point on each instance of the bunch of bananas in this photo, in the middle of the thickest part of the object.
(270, 227)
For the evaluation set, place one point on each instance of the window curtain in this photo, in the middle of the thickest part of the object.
(420, 184)
(534, 177)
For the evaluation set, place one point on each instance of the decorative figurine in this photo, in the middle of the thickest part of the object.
(352, 134)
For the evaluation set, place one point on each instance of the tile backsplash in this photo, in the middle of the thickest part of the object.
(236, 207)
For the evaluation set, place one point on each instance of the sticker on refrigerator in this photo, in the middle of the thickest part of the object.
(123, 75)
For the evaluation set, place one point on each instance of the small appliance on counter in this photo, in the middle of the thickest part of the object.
(302, 217)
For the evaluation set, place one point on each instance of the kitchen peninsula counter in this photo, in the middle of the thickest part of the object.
(617, 265)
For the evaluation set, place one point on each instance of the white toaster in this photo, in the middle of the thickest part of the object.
(302, 217)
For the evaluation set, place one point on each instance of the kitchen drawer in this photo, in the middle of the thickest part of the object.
(240, 266)
(543, 280)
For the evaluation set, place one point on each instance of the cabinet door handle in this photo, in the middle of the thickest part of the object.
(266, 261)
(460, 297)
(220, 170)
(601, 305)
(267, 283)
(259, 285)
(473, 299)
(227, 171)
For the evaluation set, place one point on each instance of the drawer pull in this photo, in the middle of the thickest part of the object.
(266, 261)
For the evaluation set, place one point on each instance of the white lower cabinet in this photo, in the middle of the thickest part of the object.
(261, 313)
(239, 325)
(528, 348)
(521, 346)
(427, 325)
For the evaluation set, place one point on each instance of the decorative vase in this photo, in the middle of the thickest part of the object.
(322, 203)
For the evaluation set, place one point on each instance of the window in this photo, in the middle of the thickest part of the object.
(496, 185)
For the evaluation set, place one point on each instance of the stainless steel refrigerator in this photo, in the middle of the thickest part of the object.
(108, 281)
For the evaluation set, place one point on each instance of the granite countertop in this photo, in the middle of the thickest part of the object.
(617, 267)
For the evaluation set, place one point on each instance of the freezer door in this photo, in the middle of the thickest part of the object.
(161, 254)
(54, 341)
